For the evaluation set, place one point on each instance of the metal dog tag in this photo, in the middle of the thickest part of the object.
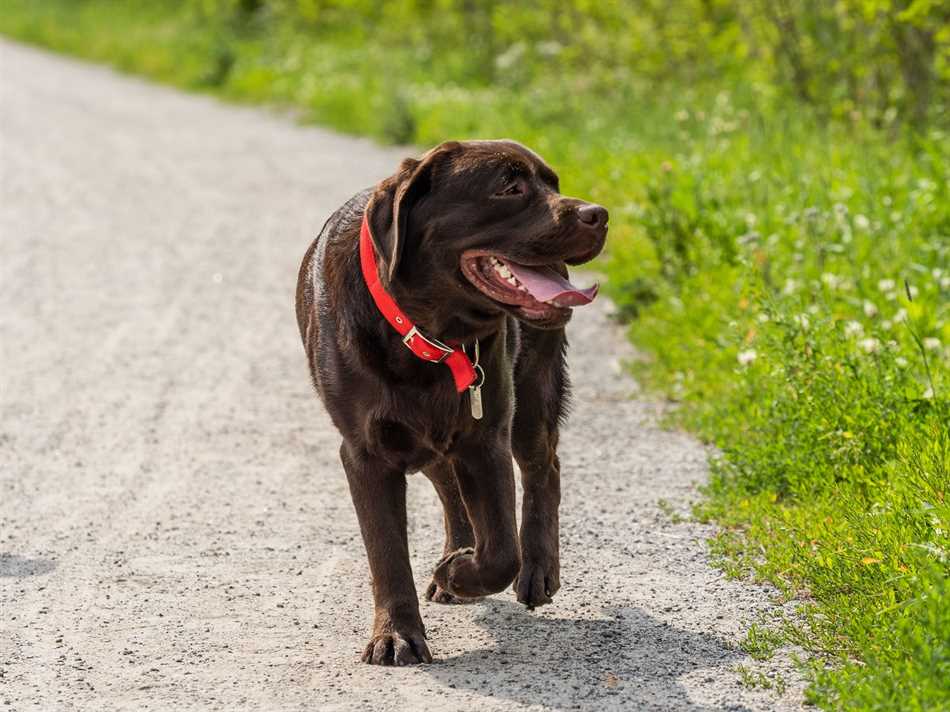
(475, 390)
(475, 394)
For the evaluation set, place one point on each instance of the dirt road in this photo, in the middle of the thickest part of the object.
(175, 529)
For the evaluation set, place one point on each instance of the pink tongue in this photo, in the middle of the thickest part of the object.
(546, 285)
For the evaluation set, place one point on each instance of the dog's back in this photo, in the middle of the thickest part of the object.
(310, 278)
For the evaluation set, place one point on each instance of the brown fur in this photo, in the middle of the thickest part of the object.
(398, 414)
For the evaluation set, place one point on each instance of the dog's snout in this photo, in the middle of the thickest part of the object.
(589, 240)
(592, 215)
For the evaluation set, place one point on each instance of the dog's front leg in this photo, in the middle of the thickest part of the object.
(540, 575)
(541, 387)
(486, 482)
(379, 496)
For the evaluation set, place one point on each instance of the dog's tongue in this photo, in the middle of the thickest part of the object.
(546, 285)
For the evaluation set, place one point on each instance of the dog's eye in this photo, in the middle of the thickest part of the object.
(511, 189)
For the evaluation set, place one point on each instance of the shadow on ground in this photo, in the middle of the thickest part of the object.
(641, 661)
(14, 565)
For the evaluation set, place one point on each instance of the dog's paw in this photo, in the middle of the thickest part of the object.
(537, 582)
(437, 594)
(397, 648)
(442, 575)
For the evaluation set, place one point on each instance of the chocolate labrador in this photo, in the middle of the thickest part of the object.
(432, 310)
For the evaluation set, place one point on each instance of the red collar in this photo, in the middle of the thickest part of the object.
(425, 348)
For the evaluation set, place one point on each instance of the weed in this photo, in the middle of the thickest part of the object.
(753, 679)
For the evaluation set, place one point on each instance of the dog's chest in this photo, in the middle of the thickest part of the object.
(427, 426)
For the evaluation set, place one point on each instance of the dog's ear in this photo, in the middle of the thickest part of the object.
(389, 207)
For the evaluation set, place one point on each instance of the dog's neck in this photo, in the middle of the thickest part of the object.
(416, 327)
(441, 320)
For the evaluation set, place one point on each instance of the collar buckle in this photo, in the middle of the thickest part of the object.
(435, 344)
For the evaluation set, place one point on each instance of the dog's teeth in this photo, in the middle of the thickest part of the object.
(512, 281)
(503, 271)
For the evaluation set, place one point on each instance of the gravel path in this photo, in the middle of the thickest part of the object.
(175, 529)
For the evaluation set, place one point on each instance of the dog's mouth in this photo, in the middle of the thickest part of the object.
(540, 293)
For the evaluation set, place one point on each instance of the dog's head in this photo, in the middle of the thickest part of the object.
(481, 227)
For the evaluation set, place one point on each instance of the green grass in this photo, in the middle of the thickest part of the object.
(753, 679)
(786, 276)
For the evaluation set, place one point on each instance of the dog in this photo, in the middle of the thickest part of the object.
(432, 310)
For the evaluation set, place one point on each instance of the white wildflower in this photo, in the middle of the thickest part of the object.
(861, 222)
(900, 315)
(869, 309)
(682, 115)
(790, 286)
(945, 282)
(853, 328)
(870, 345)
(746, 357)
(886, 285)
(886, 325)
(932, 344)
(830, 279)
(511, 56)
(763, 318)
(901, 361)
(929, 393)
(913, 291)
(802, 321)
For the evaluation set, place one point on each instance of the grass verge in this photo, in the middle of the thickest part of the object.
(788, 280)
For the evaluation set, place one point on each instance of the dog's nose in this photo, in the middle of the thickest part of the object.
(592, 215)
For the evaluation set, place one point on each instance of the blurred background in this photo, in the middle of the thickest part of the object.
(593, 66)
(777, 176)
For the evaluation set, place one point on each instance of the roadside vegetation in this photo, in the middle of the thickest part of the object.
(777, 175)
